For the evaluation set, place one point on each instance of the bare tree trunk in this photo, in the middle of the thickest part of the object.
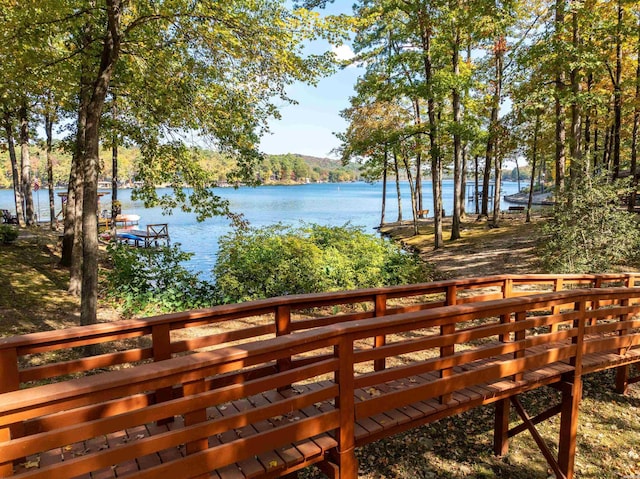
(25, 163)
(110, 53)
(436, 163)
(500, 48)
(75, 274)
(463, 187)
(398, 192)
(48, 127)
(588, 152)
(114, 169)
(457, 142)
(534, 160)
(496, 196)
(15, 171)
(412, 189)
(476, 191)
(634, 134)
(559, 93)
(576, 168)
(617, 95)
(486, 178)
(384, 186)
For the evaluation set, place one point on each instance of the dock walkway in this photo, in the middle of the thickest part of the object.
(317, 390)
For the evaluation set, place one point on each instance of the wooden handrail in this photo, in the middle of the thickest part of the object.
(152, 336)
(58, 414)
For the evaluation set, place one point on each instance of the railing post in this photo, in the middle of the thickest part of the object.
(379, 341)
(452, 295)
(507, 288)
(10, 381)
(283, 327)
(596, 304)
(501, 427)
(161, 339)
(451, 300)
(571, 396)
(578, 339)
(557, 286)
(344, 377)
(520, 335)
(195, 417)
(622, 372)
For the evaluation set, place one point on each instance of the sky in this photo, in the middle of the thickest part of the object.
(308, 127)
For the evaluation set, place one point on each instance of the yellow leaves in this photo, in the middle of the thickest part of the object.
(272, 464)
(373, 392)
(32, 464)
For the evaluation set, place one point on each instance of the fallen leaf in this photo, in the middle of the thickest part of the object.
(32, 464)
(273, 464)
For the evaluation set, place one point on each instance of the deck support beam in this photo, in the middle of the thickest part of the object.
(571, 396)
(501, 429)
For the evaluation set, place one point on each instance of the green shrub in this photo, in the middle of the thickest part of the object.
(280, 260)
(589, 232)
(154, 281)
(8, 234)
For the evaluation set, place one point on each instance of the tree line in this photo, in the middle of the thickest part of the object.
(465, 85)
(272, 169)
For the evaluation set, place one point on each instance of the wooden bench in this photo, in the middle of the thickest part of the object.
(422, 213)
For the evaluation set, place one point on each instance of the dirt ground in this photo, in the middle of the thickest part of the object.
(482, 250)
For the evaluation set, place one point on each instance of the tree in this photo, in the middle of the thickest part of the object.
(207, 67)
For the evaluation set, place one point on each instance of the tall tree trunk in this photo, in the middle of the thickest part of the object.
(465, 151)
(534, 160)
(396, 170)
(476, 192)
(412, 189)
(494, 136)
(110, 53)
(457, 142)
(463, 187)
(114, 167)
(15, 170)
(491, 152)
(25, 163)
(436, 163)
(577, 168)
(75, 273)
(496, 191)
(588, 152)
(617, 95)
(559, 94)
(486, 178)
(385, 168)
(636, 126)
(418, 122)
(48, 127)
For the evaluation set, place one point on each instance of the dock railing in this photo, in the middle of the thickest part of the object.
(33, 358)
(469, 346)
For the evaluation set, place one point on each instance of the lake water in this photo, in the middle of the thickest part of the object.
(326, 203)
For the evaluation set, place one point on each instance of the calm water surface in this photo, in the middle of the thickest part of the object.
(327, 203)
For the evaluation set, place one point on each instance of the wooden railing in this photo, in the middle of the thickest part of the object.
(331, 383)
(33, 358)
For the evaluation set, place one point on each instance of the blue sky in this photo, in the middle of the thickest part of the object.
(307, 128)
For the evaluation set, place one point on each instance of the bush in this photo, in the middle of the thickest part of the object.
(589, 232)
(8, 234)
(280, 260)
(154, 281)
